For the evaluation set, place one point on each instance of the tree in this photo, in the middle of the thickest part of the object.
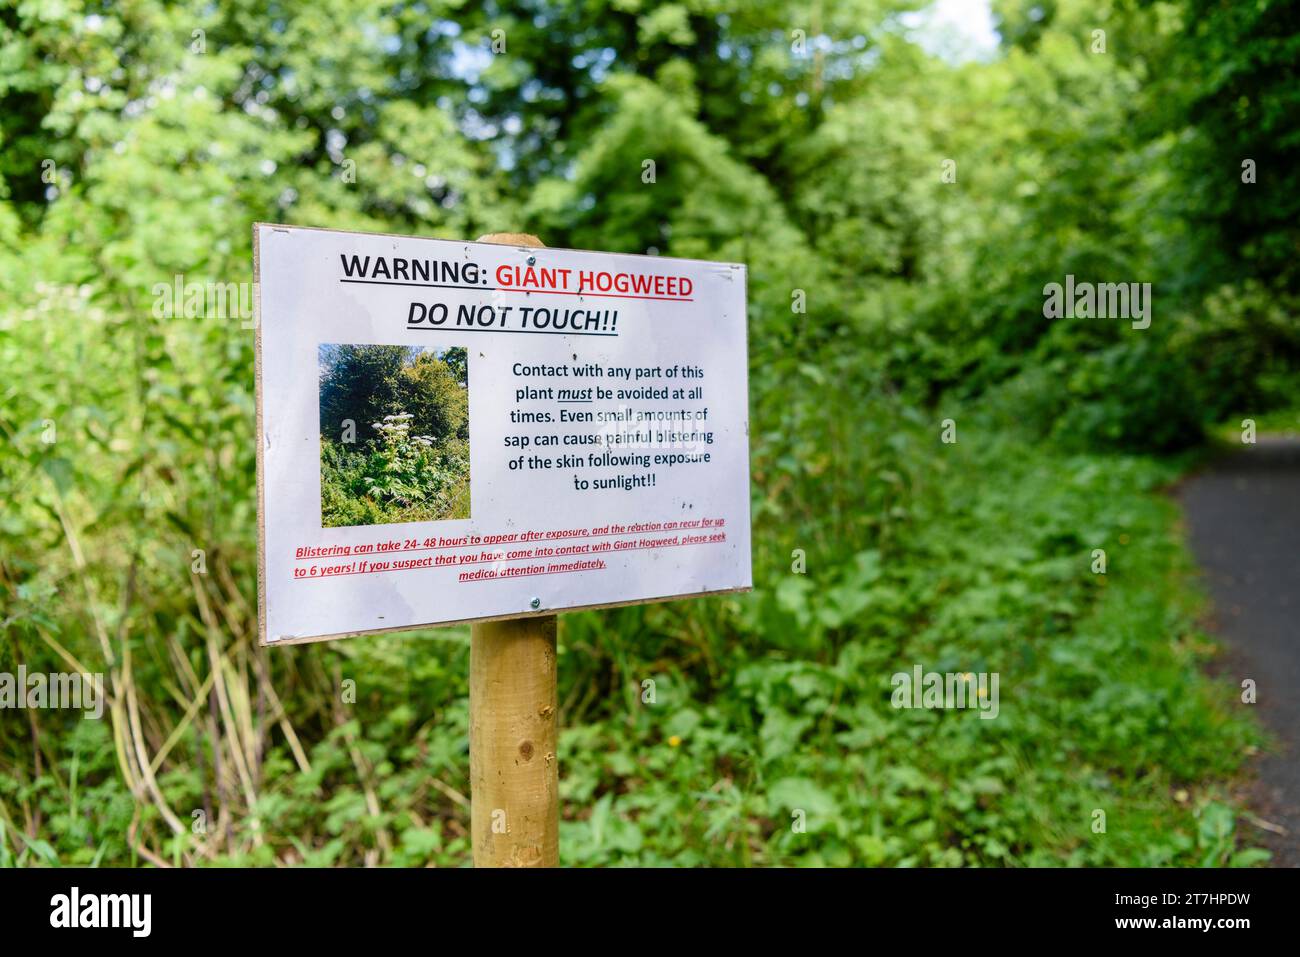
(432, 390)
(359, 384)
(364, 383)
(1242, 64)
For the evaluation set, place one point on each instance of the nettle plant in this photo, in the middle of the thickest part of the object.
(405, 469)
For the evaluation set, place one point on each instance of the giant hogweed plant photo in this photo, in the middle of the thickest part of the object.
(399, 478)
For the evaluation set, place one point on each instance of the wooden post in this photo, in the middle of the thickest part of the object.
(513, 768)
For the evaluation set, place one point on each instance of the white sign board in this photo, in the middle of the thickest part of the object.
(453, 431)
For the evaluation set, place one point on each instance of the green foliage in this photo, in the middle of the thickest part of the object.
(1244, 343)
(400, 479)
(788, 708)
(363, 384)
(1133, 397)
(821, 170)
(1239, 102)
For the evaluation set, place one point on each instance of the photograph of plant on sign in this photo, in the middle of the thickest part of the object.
(394, 434)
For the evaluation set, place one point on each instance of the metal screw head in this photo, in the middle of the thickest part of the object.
(536, 603)
(532, 260)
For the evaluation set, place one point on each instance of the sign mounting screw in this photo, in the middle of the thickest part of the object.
(536, 603)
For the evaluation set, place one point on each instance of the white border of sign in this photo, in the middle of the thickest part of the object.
(261, 439)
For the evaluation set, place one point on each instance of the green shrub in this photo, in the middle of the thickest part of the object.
(1243, 343)
(398, 478)
(1136, 396)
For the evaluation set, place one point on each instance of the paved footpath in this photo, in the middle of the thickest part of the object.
(1243, 514)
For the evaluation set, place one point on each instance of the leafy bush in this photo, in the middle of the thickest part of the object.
(398, 478)
(1243, 343)
(1135, 396)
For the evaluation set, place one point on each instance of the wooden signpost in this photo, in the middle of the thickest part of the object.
(492, 432)
(514, 772)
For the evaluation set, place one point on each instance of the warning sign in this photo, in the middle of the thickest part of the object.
(454, 431)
